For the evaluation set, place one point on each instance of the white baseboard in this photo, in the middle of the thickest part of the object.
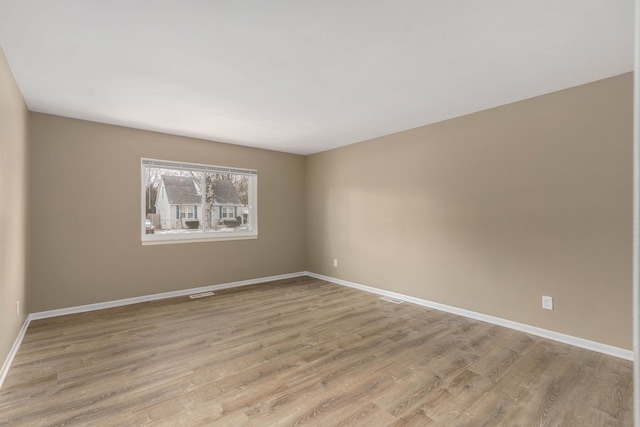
(127, 301)
(533, 330)
(14, 349)
(544, 333)
(154, 297)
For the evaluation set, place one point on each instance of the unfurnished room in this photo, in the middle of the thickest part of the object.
(336, 213)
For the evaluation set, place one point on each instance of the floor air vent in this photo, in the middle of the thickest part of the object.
(393, 300)
(201, 295)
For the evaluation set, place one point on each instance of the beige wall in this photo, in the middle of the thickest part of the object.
(490, 211)
(485, 212)
(13, 207)
(85, 215)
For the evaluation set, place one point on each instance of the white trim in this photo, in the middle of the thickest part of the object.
(636, 219)
(201, 235)
(199, 238)
(171, 164)
(154, 297)
(14, 349)
(567, 339)
(127, 301)
(533, 330)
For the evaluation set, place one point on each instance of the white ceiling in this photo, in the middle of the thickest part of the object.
(304, 76)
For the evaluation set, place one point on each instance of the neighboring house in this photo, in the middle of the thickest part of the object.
(226, 203)
(179, 200)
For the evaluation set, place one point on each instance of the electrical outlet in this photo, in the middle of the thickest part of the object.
(547, 302)
(335, 262)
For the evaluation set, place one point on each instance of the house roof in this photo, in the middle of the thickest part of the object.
(181, 190)
(225, 193)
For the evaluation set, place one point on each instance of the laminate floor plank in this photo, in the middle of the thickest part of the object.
(366, 416)
(303, 352)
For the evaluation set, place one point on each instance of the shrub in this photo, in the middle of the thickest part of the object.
(192, 224)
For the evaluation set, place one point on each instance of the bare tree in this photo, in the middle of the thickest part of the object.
(241, 183)
(152, 178)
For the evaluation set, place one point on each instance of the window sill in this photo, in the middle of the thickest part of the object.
(180, 239)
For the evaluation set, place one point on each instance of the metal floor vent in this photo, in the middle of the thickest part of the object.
(393, 300)
(201, 295)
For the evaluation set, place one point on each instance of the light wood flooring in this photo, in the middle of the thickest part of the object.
(301, 352)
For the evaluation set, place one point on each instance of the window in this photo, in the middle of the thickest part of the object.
(228, 212)
(187, 211)
(193, 202)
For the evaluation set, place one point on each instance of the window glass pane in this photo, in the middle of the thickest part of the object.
(192, 200)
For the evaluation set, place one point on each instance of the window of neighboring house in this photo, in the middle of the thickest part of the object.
(187, 212)
(186, 202)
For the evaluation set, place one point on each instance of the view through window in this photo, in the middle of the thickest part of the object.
(187, 201)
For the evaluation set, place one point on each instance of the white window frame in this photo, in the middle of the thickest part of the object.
(188, 212)
(203, 236)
